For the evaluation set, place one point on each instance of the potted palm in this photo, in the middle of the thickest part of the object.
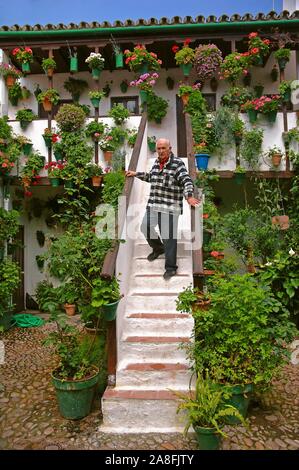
(207, 411)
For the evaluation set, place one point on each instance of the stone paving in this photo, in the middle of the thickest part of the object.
(29, 417)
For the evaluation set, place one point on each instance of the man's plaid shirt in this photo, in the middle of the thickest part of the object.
(168, 186)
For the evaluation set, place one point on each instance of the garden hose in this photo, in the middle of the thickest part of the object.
(25, 320)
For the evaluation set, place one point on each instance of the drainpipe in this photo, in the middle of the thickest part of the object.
(127, 30)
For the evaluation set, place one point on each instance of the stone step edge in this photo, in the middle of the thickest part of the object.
(155, 366)
(133, 394)
(155, 275)
(156, 339)
(159, 316)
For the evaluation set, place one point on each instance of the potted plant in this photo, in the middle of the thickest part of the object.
(119, 114)
(25, 144)
(48, 98)
(202, 155)
(106, 295)
(95, 130)
(10, 277)
(96, 62)
(145, 83)
(124, 85)
(185, 91)
(54, 172)
(191, 298)
(119, 57)
(252, 109)
(73, 60)
(68, 296)
(70, 118)
(207, 411)
(25, 116)
(9, 73)
(140, 60)
(151, 142)
(274, 73)
(156, 108)
(285, 89)
(132, 137)
(184, 57)
(234, 66)
(24, 56)
(238, 130)
(95, 172)
(77, 374)
(207, 60)
(269, 105)
(15, 93)
(282, 56)
(108, 145)
(242, 342)
(95, 97)
(258, 48)
(251, 148)
(49, 65)
(275, 153)
(49, 137)
(235, 97)
(75, 87)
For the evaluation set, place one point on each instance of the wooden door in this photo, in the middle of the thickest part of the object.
(181, 129)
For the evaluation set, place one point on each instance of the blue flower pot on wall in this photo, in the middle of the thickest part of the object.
(202, 160)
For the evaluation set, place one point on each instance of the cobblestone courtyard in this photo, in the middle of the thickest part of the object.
(29, 417)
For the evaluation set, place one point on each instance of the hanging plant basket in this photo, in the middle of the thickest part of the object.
(276, 159)
(271, 116)
(143, 96)
(96, 73)
(40, 236)
(282, 64)
(26, 67)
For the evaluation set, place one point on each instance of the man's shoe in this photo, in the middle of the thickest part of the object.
(168, 274)
(154, 255)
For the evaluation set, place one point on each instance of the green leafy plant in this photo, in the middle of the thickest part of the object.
(113, 186)
(48, 63)
(51, 95)
(119, 114)
(15, 93)
(139, 57)
(118, 161)
(95, 129)
(283, 54)
(132, 136)
(93, 170)
(104, 292)
(186, 55)
(25, 116)
(7, 70)
(234, 66)
(156, 108)
(96, 94)
(32, 168)
(75, 87)
(251, 148)
(9, 224)
(9, 281)
(70, 118)
(235, 97)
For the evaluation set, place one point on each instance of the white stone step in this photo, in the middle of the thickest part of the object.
(141, 283)
(153, 376)
(142, 250)
(131, 411)
(156, 324)
(151, 303)
(134, 349)
(143, 266)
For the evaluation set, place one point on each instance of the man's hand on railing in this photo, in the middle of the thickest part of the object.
(131, 173)
(192, 201)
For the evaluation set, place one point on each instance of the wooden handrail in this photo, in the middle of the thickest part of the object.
(108, 268)
(197, 256)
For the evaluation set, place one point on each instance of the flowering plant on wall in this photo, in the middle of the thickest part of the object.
(185, 55)
(146, 81)
(234, 66)
(257, 47)
(95, 61)
(207, 59)
(23, 54)
(139, 57)
(9, 70)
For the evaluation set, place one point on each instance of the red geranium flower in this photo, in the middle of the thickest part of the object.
(175, 49)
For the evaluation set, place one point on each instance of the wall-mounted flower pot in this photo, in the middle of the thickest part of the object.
(287, 96)
(143, 68)
(108, 156)
(70, 309)
(96, 73)
(55, 182)
(50, 72)
(185, 99)
(152, 146)
(119, 60)
(27, 148)
(48, 141)
(282, 220)
(96, 180)
(58, 155)
(143, 96)
(95, 102)
(47, 105)
(271, 116)
(74, 64)
(202, 160)
(10, 80)
(252, 115)
(24, 124)
(282, 64)
(26, 67)
(186, 69)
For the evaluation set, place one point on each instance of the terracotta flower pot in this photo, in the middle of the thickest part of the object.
(47, 105)
(276, 159)
(70, 309)
(50, 72)
(10, 81)
(97, 180)
(281, 220)
(108, 156)
(185, 99)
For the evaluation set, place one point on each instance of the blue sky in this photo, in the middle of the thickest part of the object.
(66, 11)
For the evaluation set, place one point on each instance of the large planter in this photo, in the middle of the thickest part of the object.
(186, 69)
(252, 115)
(75, 397)
(109, 311)
(119, 60)
(26, 67)
(74, 64)
(207, 438)
(202, 160)
(240, 399)
(96, 73)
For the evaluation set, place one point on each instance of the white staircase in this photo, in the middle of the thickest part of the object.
(151, 361)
